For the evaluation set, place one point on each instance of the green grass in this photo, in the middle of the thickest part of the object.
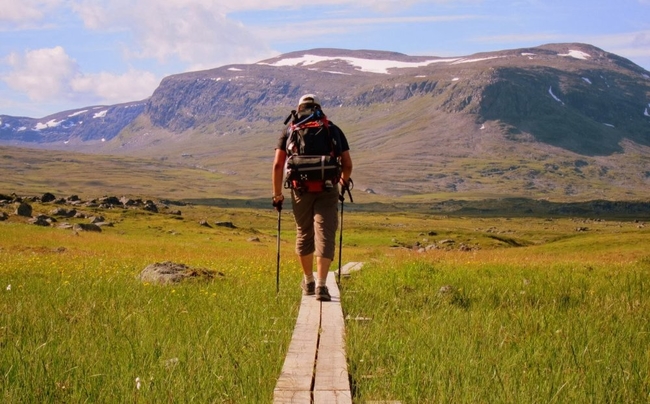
(522, 325)
(562, 318)
(77, 325)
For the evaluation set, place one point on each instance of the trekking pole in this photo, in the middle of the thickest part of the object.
(277, 267)
(278, 207)
(342, 199)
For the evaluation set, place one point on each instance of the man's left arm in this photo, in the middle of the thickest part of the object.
(346, 167)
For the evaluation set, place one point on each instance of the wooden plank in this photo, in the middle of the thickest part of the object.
(291, 397)
(332, 397)
(298, 369)
(350, 267)
(316, 358)
(331, 381)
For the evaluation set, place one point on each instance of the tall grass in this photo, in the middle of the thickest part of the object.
(562, 318)
(433, 329)
(76, 325)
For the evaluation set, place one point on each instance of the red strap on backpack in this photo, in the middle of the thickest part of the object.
(311, 124)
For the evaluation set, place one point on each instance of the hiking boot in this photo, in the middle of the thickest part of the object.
(323, 294)
(308, 289)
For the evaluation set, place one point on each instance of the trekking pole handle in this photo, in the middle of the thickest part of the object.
(346, 187)
(277, 202)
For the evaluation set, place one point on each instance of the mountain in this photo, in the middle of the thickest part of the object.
(91, 123)
(554, 121)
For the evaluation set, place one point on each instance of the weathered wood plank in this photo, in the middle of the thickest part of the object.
(350, 267)
(316, 359)
(332, 397)
(298, 369)
(291, 397)
(331, 365)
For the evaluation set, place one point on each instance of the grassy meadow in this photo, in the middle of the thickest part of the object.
(563, 319)
(507, 310)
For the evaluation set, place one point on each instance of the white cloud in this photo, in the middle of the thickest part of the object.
(19, 14)
(204, 34)
(197, 33)
(111, 88)
(42, 74)
(51, 74)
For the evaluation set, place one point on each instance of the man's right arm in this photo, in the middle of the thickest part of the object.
(278, 172)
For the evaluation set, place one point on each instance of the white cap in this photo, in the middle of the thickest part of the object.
(308, 99)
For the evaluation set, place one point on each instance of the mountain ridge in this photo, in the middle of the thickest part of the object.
(548, 121)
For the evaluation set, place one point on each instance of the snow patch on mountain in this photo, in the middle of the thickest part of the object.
(101, 114)
(577, 54)
(365, 65)
(550, 91)
(475, 60)
(52, 123)
(77, 113)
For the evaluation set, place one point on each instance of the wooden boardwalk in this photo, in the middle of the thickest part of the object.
(315, 369)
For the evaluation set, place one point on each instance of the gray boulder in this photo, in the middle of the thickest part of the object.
(24, 209)
(97, 219)
(150, 206)
(126, 201)
(62, 212)
(170, 272)
(42, 220)
(48, 197)
(87, 227)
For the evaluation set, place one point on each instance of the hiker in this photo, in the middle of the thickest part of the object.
(317, 157)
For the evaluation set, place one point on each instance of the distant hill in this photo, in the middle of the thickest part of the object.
(556, 121)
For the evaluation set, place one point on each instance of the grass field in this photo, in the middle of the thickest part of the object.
(501, 310)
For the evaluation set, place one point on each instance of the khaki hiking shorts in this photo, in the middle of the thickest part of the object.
(316, 215)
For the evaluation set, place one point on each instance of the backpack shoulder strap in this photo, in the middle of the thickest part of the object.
(294, 140)
(334, 134)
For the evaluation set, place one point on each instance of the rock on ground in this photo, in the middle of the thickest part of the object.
(170, 272)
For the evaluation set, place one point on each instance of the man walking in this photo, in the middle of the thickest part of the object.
(317, 156)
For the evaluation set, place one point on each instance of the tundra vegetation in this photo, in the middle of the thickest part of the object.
(446, 309)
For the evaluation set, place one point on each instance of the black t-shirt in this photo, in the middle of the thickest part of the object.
(282, 141)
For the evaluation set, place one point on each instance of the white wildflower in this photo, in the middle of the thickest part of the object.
(9, 287)
(137, 383)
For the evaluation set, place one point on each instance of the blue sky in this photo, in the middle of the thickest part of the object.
(57, 55)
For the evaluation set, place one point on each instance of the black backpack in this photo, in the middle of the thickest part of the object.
(314, 151)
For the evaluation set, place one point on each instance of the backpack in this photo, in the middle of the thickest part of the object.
(313, 150)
